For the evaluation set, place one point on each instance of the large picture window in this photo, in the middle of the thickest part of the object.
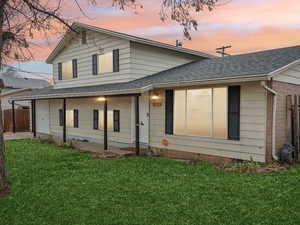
(201, 112)
(105, 63)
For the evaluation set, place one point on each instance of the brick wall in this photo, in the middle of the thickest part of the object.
(283, 90)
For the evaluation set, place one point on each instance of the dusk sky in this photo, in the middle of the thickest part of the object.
(244, 24)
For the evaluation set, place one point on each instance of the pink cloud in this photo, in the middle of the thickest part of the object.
(246, 25)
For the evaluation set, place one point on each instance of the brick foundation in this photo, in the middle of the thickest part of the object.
(283, 90)
(168, 153)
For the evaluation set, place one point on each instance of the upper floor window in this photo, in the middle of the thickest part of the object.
(67, 70)
(107, 62)
(201, 112)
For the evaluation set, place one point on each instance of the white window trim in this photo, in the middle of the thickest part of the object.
(212, 121)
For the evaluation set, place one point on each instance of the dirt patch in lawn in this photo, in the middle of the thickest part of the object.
(105, 155)
(4, 192)
(254, 167)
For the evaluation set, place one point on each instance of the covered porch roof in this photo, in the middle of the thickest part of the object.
(122, 89)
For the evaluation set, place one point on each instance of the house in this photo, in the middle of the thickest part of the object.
(13, 84)
(124, 91)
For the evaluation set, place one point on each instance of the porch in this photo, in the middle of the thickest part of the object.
(99, 150)
(87, 131)
(18, 135)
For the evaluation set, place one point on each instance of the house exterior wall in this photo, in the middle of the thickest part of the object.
(252, 130)
(6, 103)
(136, 60)
(282, 116)
(83, 53)
(290, 75)
(85, 130)
(252, 127)
(285, 83)
(147, 60)
(42, 120)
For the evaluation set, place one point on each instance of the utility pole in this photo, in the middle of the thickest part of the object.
(221, 50)
(179, 43)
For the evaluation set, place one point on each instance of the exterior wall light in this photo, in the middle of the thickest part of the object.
(156, 100)
(155, 97)
(101, 99)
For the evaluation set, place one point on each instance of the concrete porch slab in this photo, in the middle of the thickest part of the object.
(18, 135)
(121, 153)
(98, 149)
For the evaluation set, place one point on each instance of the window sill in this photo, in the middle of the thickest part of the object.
(103, 73)
(198, 137)
(65, 79)
(103, 130)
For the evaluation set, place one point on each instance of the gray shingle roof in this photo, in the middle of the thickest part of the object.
(11, 79)
(237, 66)
(75, 25)
(251, 64)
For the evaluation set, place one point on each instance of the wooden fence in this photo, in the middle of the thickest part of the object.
(22, 117)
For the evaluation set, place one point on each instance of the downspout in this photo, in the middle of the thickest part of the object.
(149, 117)
(263, 84)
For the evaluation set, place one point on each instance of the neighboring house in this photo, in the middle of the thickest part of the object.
(13, 84)
(126, 91)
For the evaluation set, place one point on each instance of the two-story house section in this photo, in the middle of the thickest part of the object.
(118, 90)
(98, 56)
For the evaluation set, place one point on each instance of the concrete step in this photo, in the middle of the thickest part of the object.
(120, 153)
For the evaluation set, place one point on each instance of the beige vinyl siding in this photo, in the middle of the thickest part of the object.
(147, 60)
(251, 144)
(290, 75)
(136, 60)
(83, 54)
(85, 130)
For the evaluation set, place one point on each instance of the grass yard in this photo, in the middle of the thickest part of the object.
(51, 185)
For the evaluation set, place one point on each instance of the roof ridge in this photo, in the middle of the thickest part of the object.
(266, 50)
(138, 37)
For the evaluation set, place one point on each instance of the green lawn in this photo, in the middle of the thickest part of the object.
(51, 185)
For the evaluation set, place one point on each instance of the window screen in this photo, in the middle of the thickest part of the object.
(70, 118)
(105, 63)
(201, 112)
(67, 70)
(109, 120)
